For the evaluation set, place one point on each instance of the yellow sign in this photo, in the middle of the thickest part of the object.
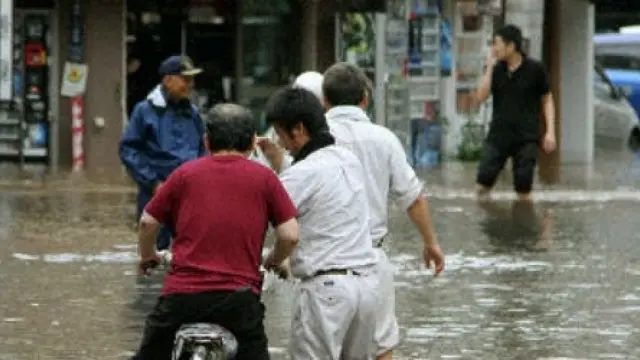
(74, 80)
(75, 75)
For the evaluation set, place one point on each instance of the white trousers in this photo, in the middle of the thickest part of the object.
(334, 318)
(387, 330)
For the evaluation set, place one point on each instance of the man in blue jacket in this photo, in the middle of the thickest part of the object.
(164, 131)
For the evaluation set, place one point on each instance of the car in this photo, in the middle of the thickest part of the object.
(614, 118)
(629, 82)
(619, 55)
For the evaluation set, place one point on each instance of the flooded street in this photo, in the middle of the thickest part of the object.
(560, 280)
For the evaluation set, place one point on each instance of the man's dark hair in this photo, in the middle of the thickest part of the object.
(230, 127)
(511, 34)
(345, 84)
(291, 106)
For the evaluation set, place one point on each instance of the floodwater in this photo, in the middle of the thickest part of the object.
(557, 280)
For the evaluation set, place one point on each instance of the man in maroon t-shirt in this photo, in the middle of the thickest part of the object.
(220, 207)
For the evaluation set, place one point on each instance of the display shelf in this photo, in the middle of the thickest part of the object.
(471, 46)
(397, 45)
(10, 129)
(29, 111)
(424, 62)
(424, 84)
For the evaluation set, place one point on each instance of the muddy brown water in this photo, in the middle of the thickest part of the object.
(560, 280)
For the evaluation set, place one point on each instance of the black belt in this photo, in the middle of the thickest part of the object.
(336, 272)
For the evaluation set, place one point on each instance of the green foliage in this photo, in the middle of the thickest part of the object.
(469, 152)
(470, 147)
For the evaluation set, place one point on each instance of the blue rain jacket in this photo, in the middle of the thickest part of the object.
(159, 138)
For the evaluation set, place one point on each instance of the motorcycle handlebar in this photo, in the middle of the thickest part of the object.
(166, 256)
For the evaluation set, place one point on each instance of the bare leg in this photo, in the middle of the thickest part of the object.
(483, 193)
(524, 196)
(386, 356)
(546, 234)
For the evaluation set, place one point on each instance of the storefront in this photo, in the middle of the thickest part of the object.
(244, 47)
(424, 65)
(558, 32)
(561, 36)
(248, 48)
(29, 57)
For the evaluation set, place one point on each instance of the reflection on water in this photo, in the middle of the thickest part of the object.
(556, 279)
(70, 289)
(517, 225)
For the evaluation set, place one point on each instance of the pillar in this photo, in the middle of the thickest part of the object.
(549, 165)
(326, 49)
(238, 52)
(569, 57)
(577, 18)
(309, 30)
(104, 99)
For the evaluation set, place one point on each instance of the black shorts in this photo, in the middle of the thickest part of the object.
(524, 158)
(241, 312)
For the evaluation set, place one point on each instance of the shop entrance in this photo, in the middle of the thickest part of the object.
(206, 33)
(248, 49)
(29, 76)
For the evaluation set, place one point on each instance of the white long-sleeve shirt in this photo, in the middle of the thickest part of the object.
(328, 189)
(387, 170)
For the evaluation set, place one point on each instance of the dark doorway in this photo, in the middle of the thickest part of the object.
(157, 30)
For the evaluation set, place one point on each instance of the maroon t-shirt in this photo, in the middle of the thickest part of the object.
(220, 208)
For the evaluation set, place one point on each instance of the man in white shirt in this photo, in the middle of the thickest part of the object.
(388, 174)
(335, 305)
(309, 80)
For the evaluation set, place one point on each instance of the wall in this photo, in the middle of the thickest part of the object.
(104, 29)
(577, 18)
(317, 35)
(309, 30)
(104, 46)
(64, 108)
(529, 16)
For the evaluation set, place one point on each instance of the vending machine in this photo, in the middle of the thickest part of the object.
(24, 120)
(36, 85)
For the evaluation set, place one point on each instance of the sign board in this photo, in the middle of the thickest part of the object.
(77, 133)
(6, 50)
(74, 79)
(74, 83)
(76, 42)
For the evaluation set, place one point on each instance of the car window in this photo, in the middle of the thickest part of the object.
(618, 61)
(602, 85)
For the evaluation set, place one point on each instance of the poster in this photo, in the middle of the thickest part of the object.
(358, 39)
(74, 79)
(357, 45)
(6, 50)
(446, 47)
(74, 84)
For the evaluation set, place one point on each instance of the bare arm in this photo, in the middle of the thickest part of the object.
(287, 237)
(275, 155)
(147, 234)
(277, 159)
(421, 217)
(484, 91)
(549, 112)
(282, 216)
(406, 189)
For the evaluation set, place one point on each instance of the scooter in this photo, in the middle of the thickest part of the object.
(199, 341)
